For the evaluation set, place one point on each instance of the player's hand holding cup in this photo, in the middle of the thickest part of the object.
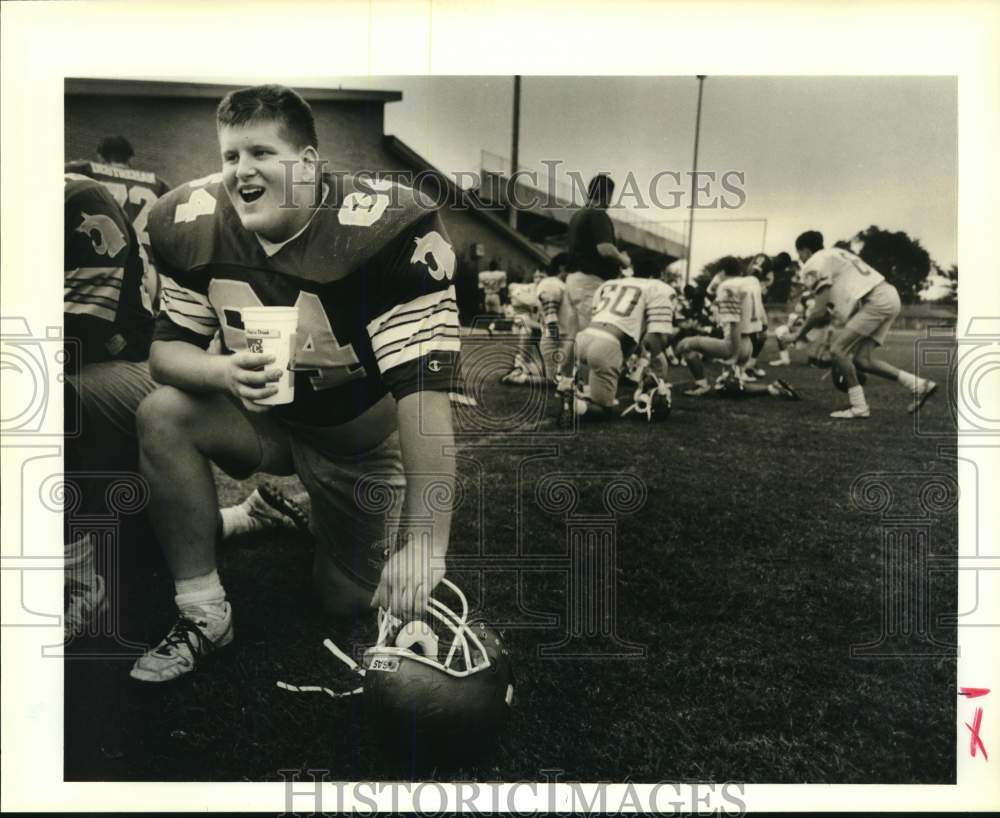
(262, 375)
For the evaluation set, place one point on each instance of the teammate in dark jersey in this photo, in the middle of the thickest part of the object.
(370, 270)
(134, 190)
(593, 256)
(108, 332)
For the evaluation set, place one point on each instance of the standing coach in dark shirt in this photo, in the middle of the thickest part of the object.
(593, 256)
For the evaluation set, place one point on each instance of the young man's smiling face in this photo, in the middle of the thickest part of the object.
(255, 172)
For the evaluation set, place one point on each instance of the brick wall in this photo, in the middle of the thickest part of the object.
(175, 138)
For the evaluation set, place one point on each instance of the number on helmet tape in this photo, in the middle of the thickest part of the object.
(387, 664)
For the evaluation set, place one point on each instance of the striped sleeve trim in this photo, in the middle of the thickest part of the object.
(428, 322)
(445, 328)
(187, 308)
(94, 309)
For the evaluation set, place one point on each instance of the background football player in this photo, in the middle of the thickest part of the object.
(559, 324)
(739, 308)
(370, 270)
(107, 375)
(625, 311)
(761, 268)
(134, 189)
(865, 305)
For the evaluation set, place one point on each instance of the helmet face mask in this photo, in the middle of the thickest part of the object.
(427, 692)
(433, 691)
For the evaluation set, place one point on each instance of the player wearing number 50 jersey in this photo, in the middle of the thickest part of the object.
(864, 305)
(370, 270)
(626, 311)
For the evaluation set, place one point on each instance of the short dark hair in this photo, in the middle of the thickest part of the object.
(270, 103)
(730, 265)
(782, 260)
(559, 260)
(115, 149)
(766, 265)
(811, 240)
(600, 187)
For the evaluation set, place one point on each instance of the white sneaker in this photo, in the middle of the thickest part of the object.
(921, 394)
(851, 413)
(267, 506)
(196, 634)
(779, 362)
(83, 603)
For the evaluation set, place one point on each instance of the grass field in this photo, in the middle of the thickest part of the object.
(744, 579)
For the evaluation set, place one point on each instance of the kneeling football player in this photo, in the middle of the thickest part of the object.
(625, 311)
(369, 269)
(740, 309)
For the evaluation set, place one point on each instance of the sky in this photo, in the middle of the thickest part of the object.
(835, 154)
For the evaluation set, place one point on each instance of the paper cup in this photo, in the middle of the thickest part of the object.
(271, 330)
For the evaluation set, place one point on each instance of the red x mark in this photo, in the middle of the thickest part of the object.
(973, 692)
(976, 741)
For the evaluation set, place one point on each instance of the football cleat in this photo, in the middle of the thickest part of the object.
(779, 362)
(83, 603)
(429, 689)
(195, 635)
(784, 389)
(920, 396)
(851, 413)
(267, 506)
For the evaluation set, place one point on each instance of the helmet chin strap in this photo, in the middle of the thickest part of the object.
(417, 632)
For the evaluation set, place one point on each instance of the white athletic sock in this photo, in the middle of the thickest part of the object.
(205, 593)
(785, 357)
(79, 560)
(701, 382)
(238, 519)
(909, 380)
(856, 395)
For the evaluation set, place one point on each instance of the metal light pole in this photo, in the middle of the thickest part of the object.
(694, 179)
(511, 210)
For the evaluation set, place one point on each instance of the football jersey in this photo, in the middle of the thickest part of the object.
(492, 281)
(372, 282)
(739, 302)
(635, 305)
(849, 278)
(135, 191)
(556, 307)
(102, 299)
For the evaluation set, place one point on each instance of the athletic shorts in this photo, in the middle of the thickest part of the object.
(355, 500)
(109, 394)
(581, 288)
(876, 313)
(601, 352)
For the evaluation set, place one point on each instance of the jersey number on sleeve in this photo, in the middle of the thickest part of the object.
(317, 348)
